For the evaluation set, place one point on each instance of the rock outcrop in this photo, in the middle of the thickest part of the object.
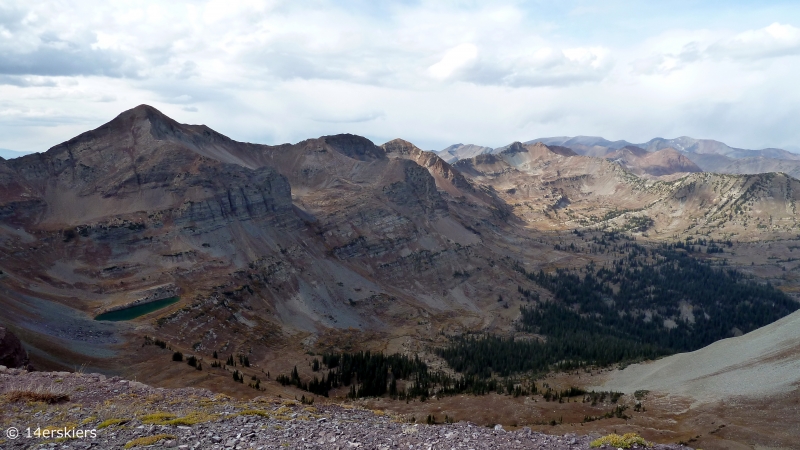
(12, 354)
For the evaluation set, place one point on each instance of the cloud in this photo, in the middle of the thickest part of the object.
(660, 64)
(351, 118)
(30, 46)
(553, 67)
(429, 71)
(106, 98)
(773, 41)
(180, 99)
(27, 81)
(456, 59)
(53, 61)
(546, 66)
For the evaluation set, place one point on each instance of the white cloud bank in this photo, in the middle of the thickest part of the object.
(431, 72)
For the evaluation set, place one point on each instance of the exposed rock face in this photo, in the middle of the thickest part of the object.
(416, 188)
(355, 147)
(446, 177)
(456, 152)
(142, 160)
(151, 295)
(663, 162)
(12, 354)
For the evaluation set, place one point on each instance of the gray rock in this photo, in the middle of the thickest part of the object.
(12, 354)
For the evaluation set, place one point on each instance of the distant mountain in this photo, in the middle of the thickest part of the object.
(706, 154)
(667, 161)
(633, 158)
(715, 156)
(757, 165)
(462, 151)
(10, 154)
(689, 145)
(584, 145)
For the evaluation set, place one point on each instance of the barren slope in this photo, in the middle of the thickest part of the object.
(762, 363)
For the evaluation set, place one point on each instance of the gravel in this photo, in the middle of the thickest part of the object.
(114, 413)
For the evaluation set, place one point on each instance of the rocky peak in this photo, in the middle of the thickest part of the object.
(517, 147)
(354, 146)
(400, 147)
(140, 118)
(459, 151)
(486, 158)
(438, 167)
(144, 161)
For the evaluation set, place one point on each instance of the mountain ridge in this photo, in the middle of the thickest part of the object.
(707, 154)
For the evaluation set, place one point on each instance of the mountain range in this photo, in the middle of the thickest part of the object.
(336, 244)
(328, 232)
(705, 155)
(10, 154)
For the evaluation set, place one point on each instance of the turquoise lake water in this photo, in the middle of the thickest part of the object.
(136, 311)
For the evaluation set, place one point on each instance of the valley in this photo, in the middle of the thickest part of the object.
(533, 269)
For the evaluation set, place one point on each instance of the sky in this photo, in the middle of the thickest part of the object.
(432, 72)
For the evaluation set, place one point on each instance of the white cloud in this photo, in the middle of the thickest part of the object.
(553, 67)
(773, 41)
(430, 71)
(456, 59)
(675, 50)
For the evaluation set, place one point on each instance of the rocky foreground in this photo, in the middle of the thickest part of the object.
(73, 410)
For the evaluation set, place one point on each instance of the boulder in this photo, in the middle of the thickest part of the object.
(12, 354)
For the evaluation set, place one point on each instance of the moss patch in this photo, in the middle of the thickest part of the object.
(111, 422)
(148, 440)
(624, 441)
